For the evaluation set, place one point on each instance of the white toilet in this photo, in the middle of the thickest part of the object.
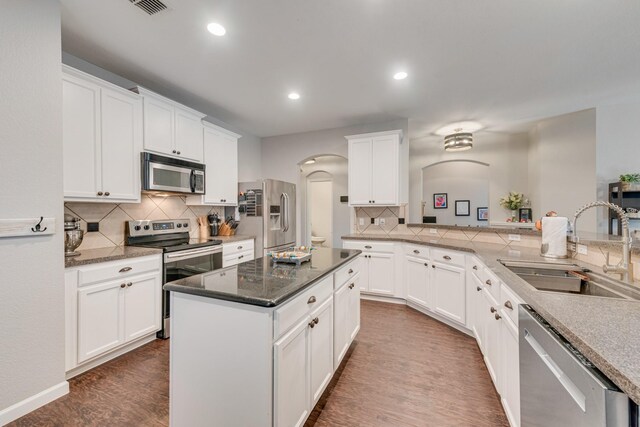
(317, 240)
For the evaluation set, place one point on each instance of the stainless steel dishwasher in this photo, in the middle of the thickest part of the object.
(559, 386)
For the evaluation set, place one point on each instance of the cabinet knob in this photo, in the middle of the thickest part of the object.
(493, 310)
(488, 282)
(311, 324)
(478, 288)
(508, 305)
(107, 193)
(312, 299)
(447, 257)
(426, 265)
(498, 317)
(475, 267)
(241, 256)
(415, 251)
(122, 285)
(350, 271)
(433, 266)
(174, 151)
(373, 201)
(130, 284)
(100, 193)
(239, 247)
(351, 286)
(178, 153)
(316, 320)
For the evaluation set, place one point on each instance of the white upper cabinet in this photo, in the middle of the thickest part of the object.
(221, 158)
(171, 128)
(102, 139)
(378, 169)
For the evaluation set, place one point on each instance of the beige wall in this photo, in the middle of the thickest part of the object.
(32, 281)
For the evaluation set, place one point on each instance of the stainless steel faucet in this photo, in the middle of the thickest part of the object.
(625, 266)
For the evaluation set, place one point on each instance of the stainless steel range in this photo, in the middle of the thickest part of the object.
(183, 256)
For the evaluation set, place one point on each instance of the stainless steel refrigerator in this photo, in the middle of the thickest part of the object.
(268, 211)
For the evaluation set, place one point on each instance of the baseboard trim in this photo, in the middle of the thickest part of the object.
(392, 300)
(32, 403)
(85, 366)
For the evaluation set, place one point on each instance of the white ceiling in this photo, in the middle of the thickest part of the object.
(501, 62)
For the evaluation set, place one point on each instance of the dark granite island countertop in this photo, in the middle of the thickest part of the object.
(260, 282)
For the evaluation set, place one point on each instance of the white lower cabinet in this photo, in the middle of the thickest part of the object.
(321, 353)
(449, 291)
(491, 336)
(346, 308)
(510, 370)
(106, 311)
(418, 281)
(234, 253)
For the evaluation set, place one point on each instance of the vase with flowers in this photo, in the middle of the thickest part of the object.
(514, 201)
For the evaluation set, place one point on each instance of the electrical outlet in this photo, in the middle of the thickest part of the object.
(93, 226)
(514, 237)
(433, 230)
(383, 221)
(514, 253)
(582, 249)
(361, 221)
(372, 221)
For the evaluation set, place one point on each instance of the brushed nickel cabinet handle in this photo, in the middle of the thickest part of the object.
(447, 257)
(508, 305)
(311, 324)
(488, 282)
(351, 286)
(312, 299)
(241, 256)
(498, 317)
(415, 251)
(493, 310)
(316, 320)
(125, 269)
(130, 284)
(478, 288)
(239, 247)
(122, 285)
(350, 271)
(367, 247)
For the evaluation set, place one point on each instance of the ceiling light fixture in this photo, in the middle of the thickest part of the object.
(216, 29)
(458, 141)
(310, 162)
(400, 75)
(294, 96)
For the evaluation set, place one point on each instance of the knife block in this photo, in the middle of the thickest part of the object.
(225, 230)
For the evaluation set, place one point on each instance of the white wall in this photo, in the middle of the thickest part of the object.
(461, 180)
(563, 165)
(506, 155)
(32, 302)
(249, 146)
(319, 195)
(617, 148)
(282, 154)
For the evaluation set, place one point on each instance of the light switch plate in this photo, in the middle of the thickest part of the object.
(383, 221)
(433, 230)
(582, 249)
(514, 237)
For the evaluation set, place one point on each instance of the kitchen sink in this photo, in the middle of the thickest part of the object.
(570, 278)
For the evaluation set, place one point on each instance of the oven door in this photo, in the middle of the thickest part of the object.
(181, 264)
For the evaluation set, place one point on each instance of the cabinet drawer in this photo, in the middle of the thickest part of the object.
(369, 246)
(290, 313)
(118, 269)
(509, 303)
(237, 258)
(417, 251)
(448, 257)
(346, 273)
(237, 247)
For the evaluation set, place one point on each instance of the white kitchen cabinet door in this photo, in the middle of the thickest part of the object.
(100, 319)
(221, 156)
(449, 291)
(188, 135)
(417, 281)
(364, 273)
(158, 126)
(121, 144)
(142, 303)
(354, 310)
(291, 396)
(360, 172)
(381, 273)
(341, 324)
(80, 137)
(491, 330)
(510, 372)
(476, 322)
(384, 170)
(321, 349)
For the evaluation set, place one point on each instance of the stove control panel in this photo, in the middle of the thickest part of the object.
(157, 227)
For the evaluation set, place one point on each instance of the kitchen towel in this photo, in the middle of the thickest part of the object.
(554, 237)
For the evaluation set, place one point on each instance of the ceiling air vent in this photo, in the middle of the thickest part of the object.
(150, 6)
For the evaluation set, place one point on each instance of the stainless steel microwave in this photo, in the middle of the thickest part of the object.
(169, 175)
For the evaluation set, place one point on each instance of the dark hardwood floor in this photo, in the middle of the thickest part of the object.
(404, 369)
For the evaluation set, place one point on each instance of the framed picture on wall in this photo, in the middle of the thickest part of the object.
(440, 201)
(525, 214)
(463, 208)
(483, 214)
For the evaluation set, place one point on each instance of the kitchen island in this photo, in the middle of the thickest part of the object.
(256, 344)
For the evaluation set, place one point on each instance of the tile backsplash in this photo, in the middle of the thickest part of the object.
(112, 217)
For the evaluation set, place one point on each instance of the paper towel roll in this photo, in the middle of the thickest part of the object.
(554, 237)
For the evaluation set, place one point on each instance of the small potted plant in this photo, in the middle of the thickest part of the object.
(514, 201)
(628, 179)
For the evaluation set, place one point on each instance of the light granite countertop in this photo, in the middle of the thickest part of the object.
(92, 256)
(234, 238)
(605, 330)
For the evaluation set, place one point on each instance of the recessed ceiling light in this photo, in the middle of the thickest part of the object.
(310, 162)
(216, 29)
(458, 127)
(400, 75)
(294, 96)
